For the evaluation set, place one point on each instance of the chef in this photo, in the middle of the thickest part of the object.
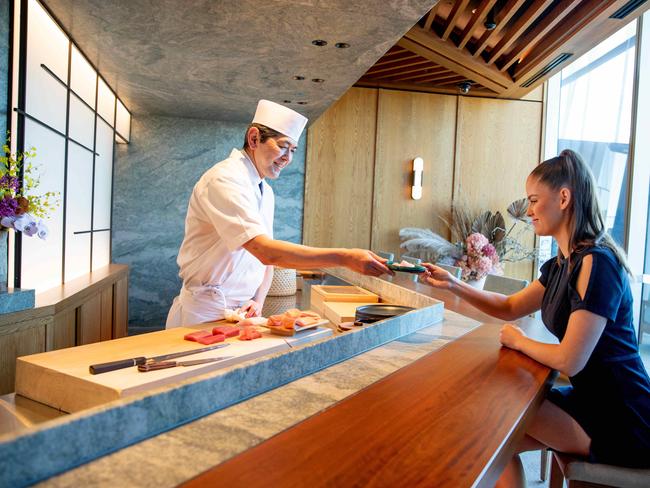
(227, 256)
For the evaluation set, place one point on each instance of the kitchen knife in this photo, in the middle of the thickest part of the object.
(143, 368)
(127, 363)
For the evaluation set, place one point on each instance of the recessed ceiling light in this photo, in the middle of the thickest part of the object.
(298, 77)
(319, 42)
(318, 80)
(342, 45)
(302, 103)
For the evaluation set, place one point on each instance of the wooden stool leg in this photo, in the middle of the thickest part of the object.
(557, 477)
(543, 464)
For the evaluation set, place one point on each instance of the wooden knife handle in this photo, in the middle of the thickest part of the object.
(114, 365)
(143, 368)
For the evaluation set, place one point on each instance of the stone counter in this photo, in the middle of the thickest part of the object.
(184, 452)
(69, 441)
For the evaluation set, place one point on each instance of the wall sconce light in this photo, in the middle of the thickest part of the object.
(416, 189)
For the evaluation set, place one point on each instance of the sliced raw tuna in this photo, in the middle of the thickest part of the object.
(227, 330)
(195, 336)
(211, 339)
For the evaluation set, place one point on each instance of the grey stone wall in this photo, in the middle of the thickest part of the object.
(154, 177)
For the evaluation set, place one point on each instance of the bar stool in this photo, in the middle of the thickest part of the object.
(581, 474)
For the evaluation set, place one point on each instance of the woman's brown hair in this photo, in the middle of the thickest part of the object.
(568, 170)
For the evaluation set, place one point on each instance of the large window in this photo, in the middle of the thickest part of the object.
(590, 111)
(598, 107)
(71, 117)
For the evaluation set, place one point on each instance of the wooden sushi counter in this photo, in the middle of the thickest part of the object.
(443, 406)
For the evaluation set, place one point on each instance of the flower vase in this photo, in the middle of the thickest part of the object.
(478, 284)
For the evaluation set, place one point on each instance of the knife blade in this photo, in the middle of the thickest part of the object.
(127, 363)
(143, 368)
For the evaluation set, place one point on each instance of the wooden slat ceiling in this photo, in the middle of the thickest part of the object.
(530, 42)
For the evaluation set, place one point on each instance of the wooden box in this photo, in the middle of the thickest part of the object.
(338, 312)
(335, 293)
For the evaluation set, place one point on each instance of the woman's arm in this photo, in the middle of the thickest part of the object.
(583, 331)
(505, 307)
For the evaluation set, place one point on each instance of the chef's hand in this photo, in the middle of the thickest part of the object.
(511, 335)
(366, 262)
(251, 308)
(437, 277)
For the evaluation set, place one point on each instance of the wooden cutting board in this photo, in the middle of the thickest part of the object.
(338, 312)
(61, 378)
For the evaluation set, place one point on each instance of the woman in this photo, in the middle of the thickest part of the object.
(585, 299)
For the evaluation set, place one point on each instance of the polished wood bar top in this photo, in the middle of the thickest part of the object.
(450, 419)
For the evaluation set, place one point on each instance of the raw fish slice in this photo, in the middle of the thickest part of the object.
(195, 336)
(249, 334)
(293, 312)
(227, 330)
(307, 321)
(211, 339)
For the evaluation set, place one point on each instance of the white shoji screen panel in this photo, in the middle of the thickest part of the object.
(41, 260)
(82, 123)
(82, 77)
(105, 102)
(45, 97)
(78, 211)
(102, 195)
(89, 120)
(123, 122)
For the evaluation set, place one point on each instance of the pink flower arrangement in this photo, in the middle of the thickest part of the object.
(479, 259)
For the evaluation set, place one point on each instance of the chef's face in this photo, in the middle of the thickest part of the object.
(273, 155)
(547, 208)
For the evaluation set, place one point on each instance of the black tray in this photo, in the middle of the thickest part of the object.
(373, 313)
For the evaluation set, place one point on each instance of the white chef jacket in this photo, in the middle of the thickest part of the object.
(226, 210)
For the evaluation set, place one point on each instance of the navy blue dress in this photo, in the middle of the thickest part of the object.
(610, 397)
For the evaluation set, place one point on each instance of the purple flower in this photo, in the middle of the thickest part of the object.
(26, 223)
(8, 207)
(43, 231)
(9, 182)
(7, 222)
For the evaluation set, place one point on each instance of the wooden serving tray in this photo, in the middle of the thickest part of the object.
(336, 293)
(338, 312)
(296, 330)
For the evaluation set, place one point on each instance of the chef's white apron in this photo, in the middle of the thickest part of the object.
(197, 305)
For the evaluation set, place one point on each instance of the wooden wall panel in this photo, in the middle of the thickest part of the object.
(19, 340)
(120, 308)
(89, 320)
(498, 145)
(62, 332)
(106, 321)
(411, 125)
(339, 172)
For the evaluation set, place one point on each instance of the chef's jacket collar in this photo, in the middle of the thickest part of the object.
(252, 170)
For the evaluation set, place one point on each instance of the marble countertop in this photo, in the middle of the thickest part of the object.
(186, 451)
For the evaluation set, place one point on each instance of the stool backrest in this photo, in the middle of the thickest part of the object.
(455, 271)
(503, 284)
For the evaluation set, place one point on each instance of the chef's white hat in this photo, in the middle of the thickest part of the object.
(280, 118)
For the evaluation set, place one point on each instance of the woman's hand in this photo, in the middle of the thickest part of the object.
(251, 308)
(511, 335)
(437, 277)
